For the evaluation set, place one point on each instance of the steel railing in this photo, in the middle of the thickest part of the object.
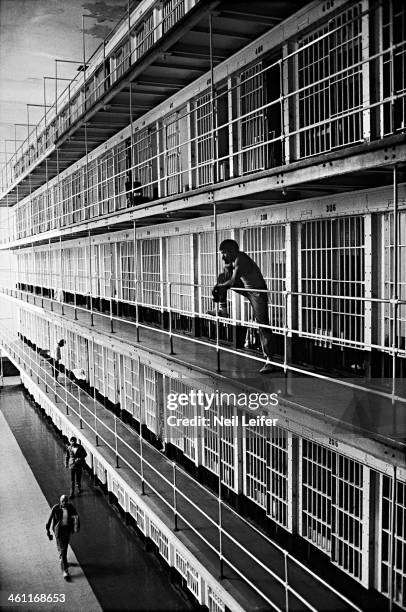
(23, 356)
(287, 133)
(374, 387)
(60, 122)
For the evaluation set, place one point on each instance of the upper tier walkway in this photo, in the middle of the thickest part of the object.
(350, 408)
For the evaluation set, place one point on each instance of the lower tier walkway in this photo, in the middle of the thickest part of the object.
(29, 564)
(256, 572)
(109, 567)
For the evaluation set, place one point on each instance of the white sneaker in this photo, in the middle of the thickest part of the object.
(267, 368)
(66, 575)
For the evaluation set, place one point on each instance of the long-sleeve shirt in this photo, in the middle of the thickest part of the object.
(56, 516)
(75, 456)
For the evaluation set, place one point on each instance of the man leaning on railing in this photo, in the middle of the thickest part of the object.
(241, 272)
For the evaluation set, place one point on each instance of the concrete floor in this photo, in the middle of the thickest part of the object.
(253, 545)
(111, 569)
(28, 560)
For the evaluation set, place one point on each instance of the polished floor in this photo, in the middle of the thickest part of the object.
(109, 566)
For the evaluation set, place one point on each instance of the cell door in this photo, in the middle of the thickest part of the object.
(127, 276)
(111, 378)
(106, 183)
(94, 270)
(279, 477)
(203, 124)
(151, 288)
(252, 125)
(107, 268)
(150, 403)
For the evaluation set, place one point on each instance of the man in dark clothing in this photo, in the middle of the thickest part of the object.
(64, 520)
(57, 358)
(241, 271)
(75, 461)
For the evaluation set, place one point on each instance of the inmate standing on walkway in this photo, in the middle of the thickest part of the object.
(75, 461)
(241, 271)
(64, 521)
(57, 358)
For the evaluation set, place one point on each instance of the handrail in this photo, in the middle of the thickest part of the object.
(62, 219)
(233, 320)
(80, 91)
(249, 325)
(391, 48)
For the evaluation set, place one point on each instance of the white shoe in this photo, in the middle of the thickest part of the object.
(267, 368)
(66, 575)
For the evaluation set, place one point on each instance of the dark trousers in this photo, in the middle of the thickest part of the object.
(57, 368)
(76, 476)
(62, 541)
(259, 303)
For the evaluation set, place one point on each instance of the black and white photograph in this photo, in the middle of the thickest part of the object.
(203, 305)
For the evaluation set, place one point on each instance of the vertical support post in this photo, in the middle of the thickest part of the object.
(56, 95)
(395, 292)
(54, 378)
(66, 391)
(368, 279)
(142, 408)
(45, 115)
(84, 67)
(392, 547)
(129, 33)
(52, 281)
(284, 109)
(175, 511)
(214, 169)
(111, 306)
(75, 304)
(6, 161)
(91, 281)
(366, 112)
(15, 148)
(219, 496)
(94, 395)
(28, 134)
(80, 410)
(95, 416)
(286, 582)
(213, 108)
(170, 318)
(46, 379)
(61, 273)
(115, 441)
(37, 365)
(136, 284)
(285, 332)
(217, 273)
(86, 194)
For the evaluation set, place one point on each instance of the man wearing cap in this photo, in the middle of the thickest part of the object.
(64, 520)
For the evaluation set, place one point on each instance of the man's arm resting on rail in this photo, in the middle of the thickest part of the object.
(231, 282)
